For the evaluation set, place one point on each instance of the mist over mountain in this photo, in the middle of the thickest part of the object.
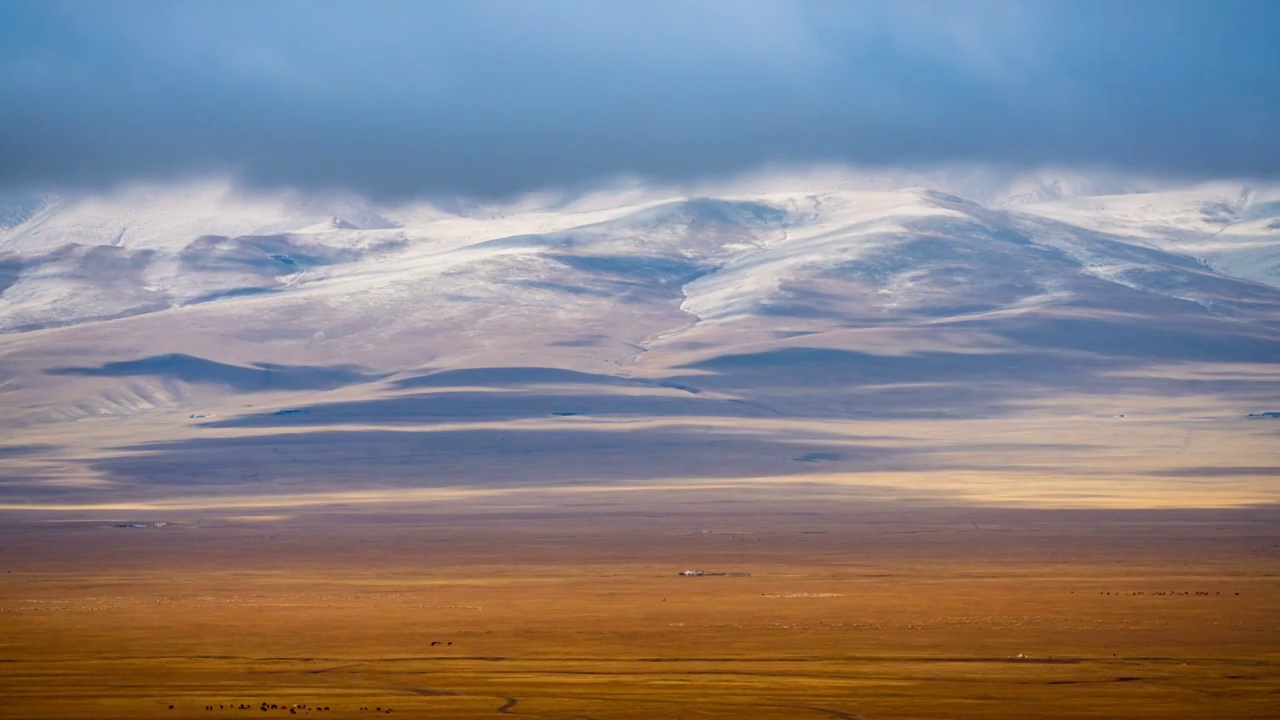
(840, 245)
(805, 296)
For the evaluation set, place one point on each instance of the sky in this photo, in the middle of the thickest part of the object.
(495, 97)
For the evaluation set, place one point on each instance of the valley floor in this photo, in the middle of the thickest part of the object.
(849, 611)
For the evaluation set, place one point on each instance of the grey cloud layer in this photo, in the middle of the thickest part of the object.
(397, 99)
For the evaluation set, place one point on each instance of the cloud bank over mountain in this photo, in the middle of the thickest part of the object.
(399, 99)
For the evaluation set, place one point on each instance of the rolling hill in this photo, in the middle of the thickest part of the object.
(157, 342)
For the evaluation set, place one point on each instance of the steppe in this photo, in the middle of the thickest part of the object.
(576, 610)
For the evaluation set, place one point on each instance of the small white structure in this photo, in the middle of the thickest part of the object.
(692, 573)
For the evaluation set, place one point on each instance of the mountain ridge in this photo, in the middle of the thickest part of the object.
(763, 303)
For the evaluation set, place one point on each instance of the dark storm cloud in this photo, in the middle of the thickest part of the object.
(400, 98)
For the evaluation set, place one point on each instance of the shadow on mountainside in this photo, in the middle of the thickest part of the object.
(486, 457)
(511, 377)
(255, 377)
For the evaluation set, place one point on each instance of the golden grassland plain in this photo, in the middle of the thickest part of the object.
(850, 610)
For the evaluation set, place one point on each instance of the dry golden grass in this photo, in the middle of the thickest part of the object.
(884, 611)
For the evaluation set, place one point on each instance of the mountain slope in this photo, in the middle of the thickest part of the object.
(761, 303)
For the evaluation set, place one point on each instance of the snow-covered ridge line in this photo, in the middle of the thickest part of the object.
(833, 243)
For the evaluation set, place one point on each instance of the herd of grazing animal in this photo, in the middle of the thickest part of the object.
(291, 709)
(265, 706)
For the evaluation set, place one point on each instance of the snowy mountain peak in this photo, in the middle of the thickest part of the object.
(836, 243)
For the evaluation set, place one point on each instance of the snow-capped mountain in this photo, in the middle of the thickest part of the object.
(830, 295)
(888, 244)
